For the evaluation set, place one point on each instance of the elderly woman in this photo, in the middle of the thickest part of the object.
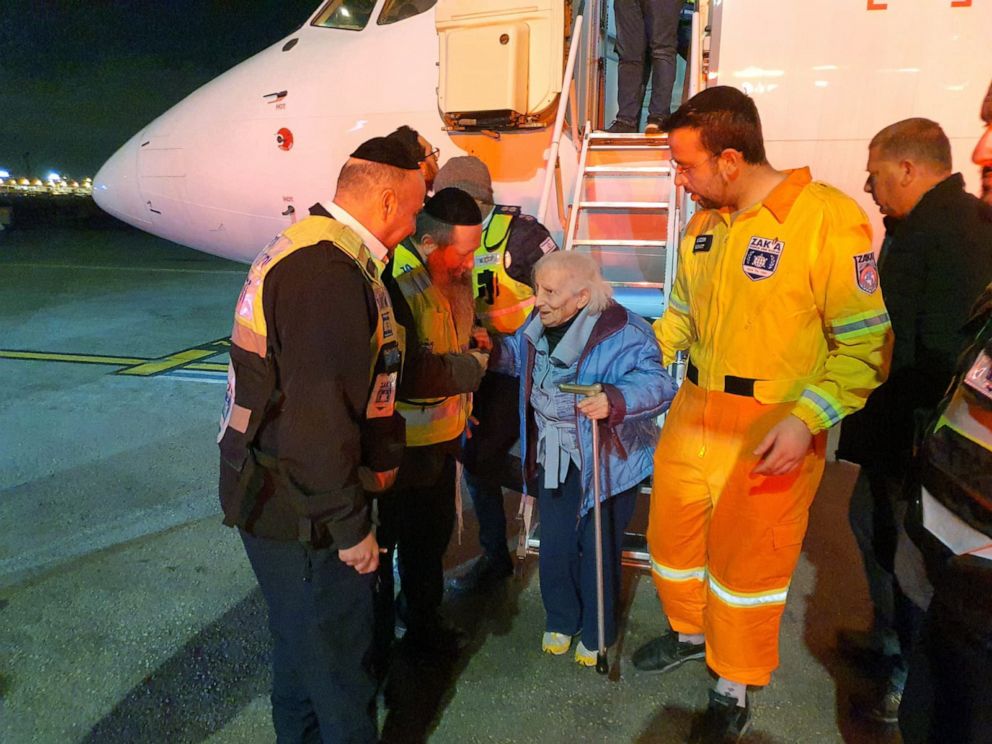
(580, 335)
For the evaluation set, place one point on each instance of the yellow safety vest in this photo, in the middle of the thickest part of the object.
(250, 332)
(502, 304)
(434, 420)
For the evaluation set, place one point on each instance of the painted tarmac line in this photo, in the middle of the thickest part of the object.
(142, 269)
(191, 361)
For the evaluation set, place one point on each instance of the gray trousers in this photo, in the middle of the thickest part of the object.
(647, 39)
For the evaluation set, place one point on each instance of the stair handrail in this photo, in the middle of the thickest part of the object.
(552, 162)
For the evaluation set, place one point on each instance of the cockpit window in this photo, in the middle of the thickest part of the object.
(351, 15)
(400, 10)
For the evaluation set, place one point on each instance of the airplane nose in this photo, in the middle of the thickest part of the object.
(115, 187)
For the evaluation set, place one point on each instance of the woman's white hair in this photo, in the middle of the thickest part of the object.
(582, 272)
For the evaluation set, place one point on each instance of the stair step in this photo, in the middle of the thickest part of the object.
(627, 136)
(611, 241)
(622, 205)
(637, 170)
(638, 285)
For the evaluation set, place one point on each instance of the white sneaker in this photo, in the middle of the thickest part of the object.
(584, 657)
(556, 643)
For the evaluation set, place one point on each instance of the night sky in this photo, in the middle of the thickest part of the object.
(77, 79)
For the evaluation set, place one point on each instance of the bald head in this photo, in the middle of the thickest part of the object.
(383, 198)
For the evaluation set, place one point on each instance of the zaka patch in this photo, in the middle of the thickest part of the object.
(866, 272)
(762, 257)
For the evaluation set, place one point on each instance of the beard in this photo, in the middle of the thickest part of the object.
(457, 290)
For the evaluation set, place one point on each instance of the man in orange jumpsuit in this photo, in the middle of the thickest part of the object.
(777, 301)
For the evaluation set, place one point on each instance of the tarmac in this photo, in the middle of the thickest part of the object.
(128, 613)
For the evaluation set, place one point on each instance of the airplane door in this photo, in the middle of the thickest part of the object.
(501, 62)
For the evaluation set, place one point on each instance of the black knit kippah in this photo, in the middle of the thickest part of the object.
(454, 207)
(386, 151)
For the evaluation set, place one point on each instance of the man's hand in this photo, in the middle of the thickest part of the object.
(481, 337)
(472, 421)
(481, 357)
(783, 448)
(595, 406)
(363, 557)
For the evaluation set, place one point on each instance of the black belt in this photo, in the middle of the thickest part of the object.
(743, 386)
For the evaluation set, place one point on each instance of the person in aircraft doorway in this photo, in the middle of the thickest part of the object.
(502, 283)
(776, 299)
(647, 43)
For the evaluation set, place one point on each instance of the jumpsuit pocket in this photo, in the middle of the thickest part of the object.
(788, 534)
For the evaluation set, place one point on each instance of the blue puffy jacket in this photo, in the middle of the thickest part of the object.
(622, 354)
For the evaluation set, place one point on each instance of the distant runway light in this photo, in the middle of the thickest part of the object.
(4, 173)
(53, 176)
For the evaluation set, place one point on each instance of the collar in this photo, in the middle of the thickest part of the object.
(936, 198)
(573, 342)
(779, 202)
(375, 246)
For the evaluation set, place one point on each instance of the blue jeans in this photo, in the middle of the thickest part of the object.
(567, 561)
(647, 31)
(320, 617)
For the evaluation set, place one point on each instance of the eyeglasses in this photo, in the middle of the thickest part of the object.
(435, 153)
(681, 170)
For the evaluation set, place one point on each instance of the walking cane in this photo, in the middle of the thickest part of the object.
(587, 390)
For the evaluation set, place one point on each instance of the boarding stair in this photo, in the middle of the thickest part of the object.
(624, 213)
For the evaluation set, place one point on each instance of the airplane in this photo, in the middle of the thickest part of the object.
(245, 155)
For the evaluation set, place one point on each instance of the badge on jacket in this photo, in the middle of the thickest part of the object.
(762, 257)
(866, 272)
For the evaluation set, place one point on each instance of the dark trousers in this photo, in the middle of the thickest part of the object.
(947, 698)
(567, 561)
(489, 466)
(416, 518)
(320, 617)
(647, 40)
(873, 523)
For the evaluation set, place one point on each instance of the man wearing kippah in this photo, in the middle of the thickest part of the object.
(429, 282)
(511, 244)
(309, 429)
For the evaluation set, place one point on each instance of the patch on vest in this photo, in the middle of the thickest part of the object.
(486, 259)
(382, 397)
(225, 414)
(866, 272)
(702, 244)
(762, 257)
(548, 245)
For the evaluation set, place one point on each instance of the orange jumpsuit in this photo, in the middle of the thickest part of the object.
(780, 311)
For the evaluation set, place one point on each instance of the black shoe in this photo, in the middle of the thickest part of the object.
(486, 573)
(439, 639)
(884, 709)
(867, 651)
(654, 125)
(666, 653)
(621, 126)
(723, 721)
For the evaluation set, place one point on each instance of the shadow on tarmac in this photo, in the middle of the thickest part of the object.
(201, 688)
(834, 601)
(416, 692)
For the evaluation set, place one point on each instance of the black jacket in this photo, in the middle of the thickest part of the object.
(934, 263)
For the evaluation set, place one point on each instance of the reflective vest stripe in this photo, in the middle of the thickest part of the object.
(697, 573)
(862, 324)
(248, 340)
(747, 599)
(524, 306)
(822, 404)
